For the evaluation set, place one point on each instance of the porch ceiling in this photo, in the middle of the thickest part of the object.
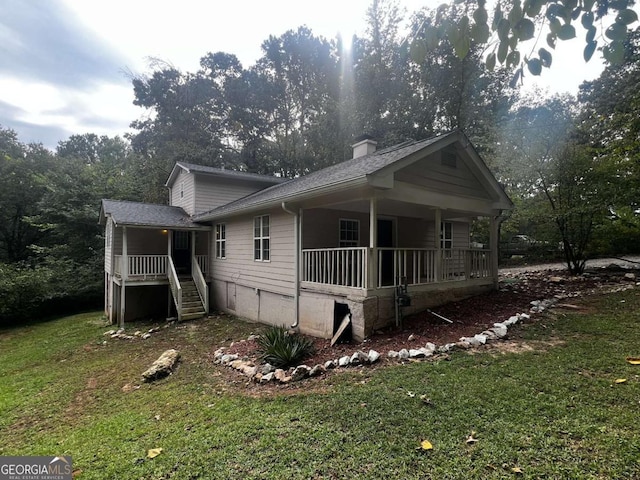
(397, 208)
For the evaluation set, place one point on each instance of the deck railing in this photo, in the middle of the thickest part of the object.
(144, 267)
(345, 267)
(348, 267)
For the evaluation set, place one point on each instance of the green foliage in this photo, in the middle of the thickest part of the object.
(514, 23)
(283, 349)
(23, 290)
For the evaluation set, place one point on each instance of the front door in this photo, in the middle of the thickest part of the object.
(385, 240)
(181, 252)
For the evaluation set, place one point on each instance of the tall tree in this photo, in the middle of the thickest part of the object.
(382, 76)
(22, 168)
(302, 72)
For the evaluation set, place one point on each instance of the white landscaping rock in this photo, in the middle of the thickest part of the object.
(358, 358)
(415, 353)
(480, 338)
(430, 347)
(393, 354)
(373, 356)
(300, 372)
(500, 331)
(267, 378)
(344, 361)
(403, 354)
(316, 370)
(329, 364)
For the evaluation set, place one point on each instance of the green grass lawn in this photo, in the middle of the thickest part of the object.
(550, 408)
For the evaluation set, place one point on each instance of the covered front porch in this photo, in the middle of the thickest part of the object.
(358, 255)
(378, 245)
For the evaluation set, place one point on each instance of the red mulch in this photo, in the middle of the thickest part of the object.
(469, 316)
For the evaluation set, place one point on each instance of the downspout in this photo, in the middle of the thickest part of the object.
(497, 223)
(296, 263)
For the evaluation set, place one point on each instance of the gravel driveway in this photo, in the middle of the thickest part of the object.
(627, 261)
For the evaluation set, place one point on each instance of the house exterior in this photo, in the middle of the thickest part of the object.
(348, 239)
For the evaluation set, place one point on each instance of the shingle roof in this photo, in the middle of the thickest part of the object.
(147, 215)
(350, 170)
(191, 167)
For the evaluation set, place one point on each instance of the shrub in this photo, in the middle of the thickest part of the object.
(282, 349)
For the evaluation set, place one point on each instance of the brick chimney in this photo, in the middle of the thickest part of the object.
(365, 145)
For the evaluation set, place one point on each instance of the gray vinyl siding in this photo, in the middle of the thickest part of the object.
(145, 241)
(321, 227)
(140, 241)
(212, 192)
(108, 244)
(460, 234)
(431, 174)
(239, 267)
(183, 192)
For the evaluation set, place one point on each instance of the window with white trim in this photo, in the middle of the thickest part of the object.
(446, 237)
(349, 233)
(221, 240)
(261, 239)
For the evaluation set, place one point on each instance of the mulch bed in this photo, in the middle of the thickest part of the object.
(470, 316)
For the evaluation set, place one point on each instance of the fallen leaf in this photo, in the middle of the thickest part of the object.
(411, 394)
(154, 452)
(621, 380)
(426, 445)
(517, 470)
(633, 360)
(471, 439)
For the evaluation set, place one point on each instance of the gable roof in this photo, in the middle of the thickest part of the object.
(220, 172)
(353, 173)
(125, 213)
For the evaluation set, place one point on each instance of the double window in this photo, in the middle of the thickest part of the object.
(221, 240)
(349, 233)
(261, 239)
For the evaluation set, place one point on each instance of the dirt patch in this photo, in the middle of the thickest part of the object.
(510, 346)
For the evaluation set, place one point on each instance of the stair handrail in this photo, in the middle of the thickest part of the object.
(176, 288)
(201, 283)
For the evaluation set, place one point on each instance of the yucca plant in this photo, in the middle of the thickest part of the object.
(282, 349)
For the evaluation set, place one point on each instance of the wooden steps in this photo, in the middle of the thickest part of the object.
(192, 306)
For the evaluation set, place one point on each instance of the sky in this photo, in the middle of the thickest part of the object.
(66, 65)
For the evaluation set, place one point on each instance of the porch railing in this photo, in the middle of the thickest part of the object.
(345, 267)
(151, 266)
(202, 261)
(421, 266)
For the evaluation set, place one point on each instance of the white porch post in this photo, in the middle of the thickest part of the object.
(125, 276)
(437, 264)
(373, 281)
(494, 226)
(169, 247)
